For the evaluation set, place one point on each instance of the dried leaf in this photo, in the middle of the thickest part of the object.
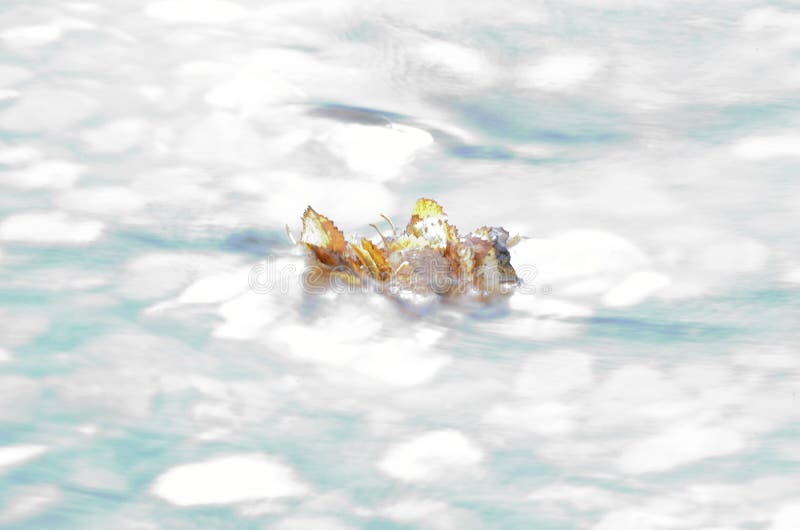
(426, 208)
(384, 270)
(428, 258)
(429, 222)
(366, 261)
(320, 231)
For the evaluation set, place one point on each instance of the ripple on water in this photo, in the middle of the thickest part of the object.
(159, 357)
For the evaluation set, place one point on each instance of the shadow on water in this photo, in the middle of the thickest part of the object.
(482, 152)
(651, 331)
(559, 122)
(729, 122)
(253, 242)
(454, 145)
(360, 115)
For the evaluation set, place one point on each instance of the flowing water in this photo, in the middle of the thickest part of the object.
(162, 367)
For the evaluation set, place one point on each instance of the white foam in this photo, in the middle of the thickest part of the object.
(220, 137)
(770, 18)
(31, 36)
(204, 68)
(159, 274)
(152, 92)
(246, 316)
(635, 288)
(637, 391)
(29, 502)
(18, 397)
(196, 11)
(348, 331)
(12, 455)
(541, 305)
(398, 364)
(636, 518)
(455, 59)
(18, 327)
(228, 480)
(787, 518)
(341, 200)
(379, 152)
(102, 200)
(182, 260)
(216, 288)
(117, 136)
(54, 174)
(414, 509)
(430, 456)
(275, 289)
(126, 385)
(578, 255)
(734, 255)
(768, 146)
(530, 327)
(587, 287)
(678, 446)
(86, 7)
(47, 110)
(358, 343)
(432, 18)
(792, 276)
(429, 513)
(8, 94)
(700, 259)
(88, 429)
(544, 418)
(251, 90)
(560, 72)
(577, 497)
(49, 228)
(18, 154)
(10, 75)
(311, 522)
(549, 375)
(261, 508)
(5, 356)
(76, 24)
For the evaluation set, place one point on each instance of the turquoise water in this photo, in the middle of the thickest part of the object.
(162, 367)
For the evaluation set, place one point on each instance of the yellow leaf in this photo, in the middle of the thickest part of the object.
(320, 231)
(384, 270)
(427, 208)
(429, 222)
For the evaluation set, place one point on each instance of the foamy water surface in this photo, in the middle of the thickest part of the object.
(648, 378)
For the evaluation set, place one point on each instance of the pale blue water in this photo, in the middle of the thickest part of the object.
(647, 378)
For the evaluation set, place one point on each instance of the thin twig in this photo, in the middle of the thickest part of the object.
(290, 235)
(385, 244)
(394, 230)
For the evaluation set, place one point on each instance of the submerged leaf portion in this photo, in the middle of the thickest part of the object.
(428, 258)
